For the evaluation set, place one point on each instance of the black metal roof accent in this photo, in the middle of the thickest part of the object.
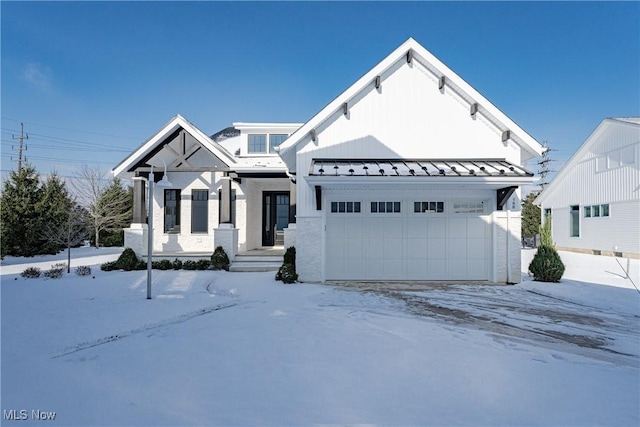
(419, 167)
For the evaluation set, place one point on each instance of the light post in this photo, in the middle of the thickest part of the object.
(164, 182)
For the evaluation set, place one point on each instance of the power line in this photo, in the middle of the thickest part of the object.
(544, 165)
(73, 130)
(20, 138)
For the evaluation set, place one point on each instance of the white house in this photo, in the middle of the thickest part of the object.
(409, 174)
(594, 200)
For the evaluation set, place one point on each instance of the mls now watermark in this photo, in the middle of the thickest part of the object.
(23, 414)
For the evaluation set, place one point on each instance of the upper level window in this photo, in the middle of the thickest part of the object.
(257, 143)
(275, 140)
(616, 158)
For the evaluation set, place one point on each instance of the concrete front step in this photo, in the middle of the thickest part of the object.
(258, 262)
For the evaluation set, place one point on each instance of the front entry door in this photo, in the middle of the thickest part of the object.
(275, 217)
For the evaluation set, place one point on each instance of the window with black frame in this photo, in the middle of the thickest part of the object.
(172, 211)
(199, 211)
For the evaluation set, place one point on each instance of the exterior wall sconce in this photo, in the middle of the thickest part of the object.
(474, 108)
(377, 82)
(506, 135)
(313, 135)
(409, 56)
(345, 108)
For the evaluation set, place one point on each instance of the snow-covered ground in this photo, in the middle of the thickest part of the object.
(218, 348)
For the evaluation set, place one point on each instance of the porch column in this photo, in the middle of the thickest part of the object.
(225, 200)
(292, 202)
(139, 210)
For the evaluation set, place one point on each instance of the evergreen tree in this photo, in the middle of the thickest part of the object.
(55, 206)
(19, 213)
(530, 216)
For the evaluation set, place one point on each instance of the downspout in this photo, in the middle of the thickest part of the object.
(508, 248)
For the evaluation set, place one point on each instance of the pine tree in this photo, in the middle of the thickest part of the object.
(19, 214)
(55, 206)
(530, 216)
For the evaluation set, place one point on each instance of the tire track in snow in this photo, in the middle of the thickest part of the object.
(172, 321)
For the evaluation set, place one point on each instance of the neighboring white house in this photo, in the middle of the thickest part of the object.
(409, 174)
(594, 200)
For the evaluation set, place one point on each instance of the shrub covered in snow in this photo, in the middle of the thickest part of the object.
(127, 260)
(56, 271)
(203, 264)
(546, 265)
(219, 259)
(31, 273)
(83, 270)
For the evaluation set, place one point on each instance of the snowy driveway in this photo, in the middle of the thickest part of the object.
(519, 315)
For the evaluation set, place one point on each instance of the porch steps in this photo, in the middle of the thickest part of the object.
(247, 262)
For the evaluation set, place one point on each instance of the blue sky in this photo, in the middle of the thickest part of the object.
(93, 80)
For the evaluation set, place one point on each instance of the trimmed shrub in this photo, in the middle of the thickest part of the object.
(219, 259)
(176, 264)
(109, 266)
(83, 270)
(57, 271)
(203, 264)
(546, 265)
(163, 264)
(290, 256)
(31, 273)
(142, 265)
(287, 273)
(189, 265)
(127, 260)
(545, 234)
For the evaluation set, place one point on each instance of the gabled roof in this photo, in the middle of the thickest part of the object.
(584, 148)
(158, 138)
(416, 52)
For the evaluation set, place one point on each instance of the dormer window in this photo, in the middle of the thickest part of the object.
(258, 143)
(275, 140)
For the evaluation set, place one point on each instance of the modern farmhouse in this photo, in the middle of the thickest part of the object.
(594, 200)
(409, 174)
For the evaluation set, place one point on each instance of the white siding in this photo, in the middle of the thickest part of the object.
(585, 184)
(621, 230)
(408, 117)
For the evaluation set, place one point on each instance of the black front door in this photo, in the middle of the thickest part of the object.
(275, 217)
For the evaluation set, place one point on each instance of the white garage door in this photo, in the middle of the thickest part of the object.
(406, 240)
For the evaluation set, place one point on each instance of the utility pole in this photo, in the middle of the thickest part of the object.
(544, 165)
(20, 138)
